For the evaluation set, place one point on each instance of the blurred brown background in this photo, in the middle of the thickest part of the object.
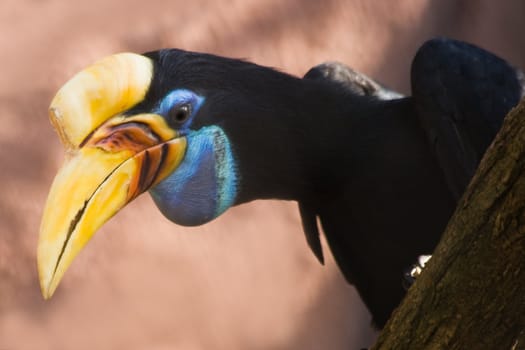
(247, 280)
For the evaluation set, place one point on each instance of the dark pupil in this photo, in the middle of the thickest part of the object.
(180, 114)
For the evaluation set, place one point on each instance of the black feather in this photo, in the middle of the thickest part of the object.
(381, 172)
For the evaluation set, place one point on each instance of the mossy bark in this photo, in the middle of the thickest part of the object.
(471, 295)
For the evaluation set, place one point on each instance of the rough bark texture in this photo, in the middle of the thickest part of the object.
(472, 293)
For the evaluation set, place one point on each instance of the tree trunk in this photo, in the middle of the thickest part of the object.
(471, 294)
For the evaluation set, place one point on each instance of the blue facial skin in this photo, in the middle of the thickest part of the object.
(204, 185)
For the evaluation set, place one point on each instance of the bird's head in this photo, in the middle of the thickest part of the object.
(168, 122)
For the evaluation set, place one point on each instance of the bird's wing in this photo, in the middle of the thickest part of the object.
(356, 83)
(461, 94)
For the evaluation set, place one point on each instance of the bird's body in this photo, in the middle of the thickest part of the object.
(392, 205)
(379, 172)
(409, 160)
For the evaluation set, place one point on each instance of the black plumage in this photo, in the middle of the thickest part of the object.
(462, 93)
(460, 96)
(381, 172)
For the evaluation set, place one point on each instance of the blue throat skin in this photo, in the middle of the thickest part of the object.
(205, 183)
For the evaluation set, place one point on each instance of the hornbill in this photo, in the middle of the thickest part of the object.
(382, 173)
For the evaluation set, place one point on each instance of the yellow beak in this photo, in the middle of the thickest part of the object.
(111, 158)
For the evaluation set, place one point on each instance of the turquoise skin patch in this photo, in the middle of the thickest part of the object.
(206, 182)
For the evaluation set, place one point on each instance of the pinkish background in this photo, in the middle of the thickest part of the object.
(247, 280)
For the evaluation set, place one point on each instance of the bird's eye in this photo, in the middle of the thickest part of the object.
(179, 114)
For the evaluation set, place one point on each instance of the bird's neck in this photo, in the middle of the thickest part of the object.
(301, 142)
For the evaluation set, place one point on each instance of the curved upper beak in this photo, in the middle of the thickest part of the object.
(110, 158)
